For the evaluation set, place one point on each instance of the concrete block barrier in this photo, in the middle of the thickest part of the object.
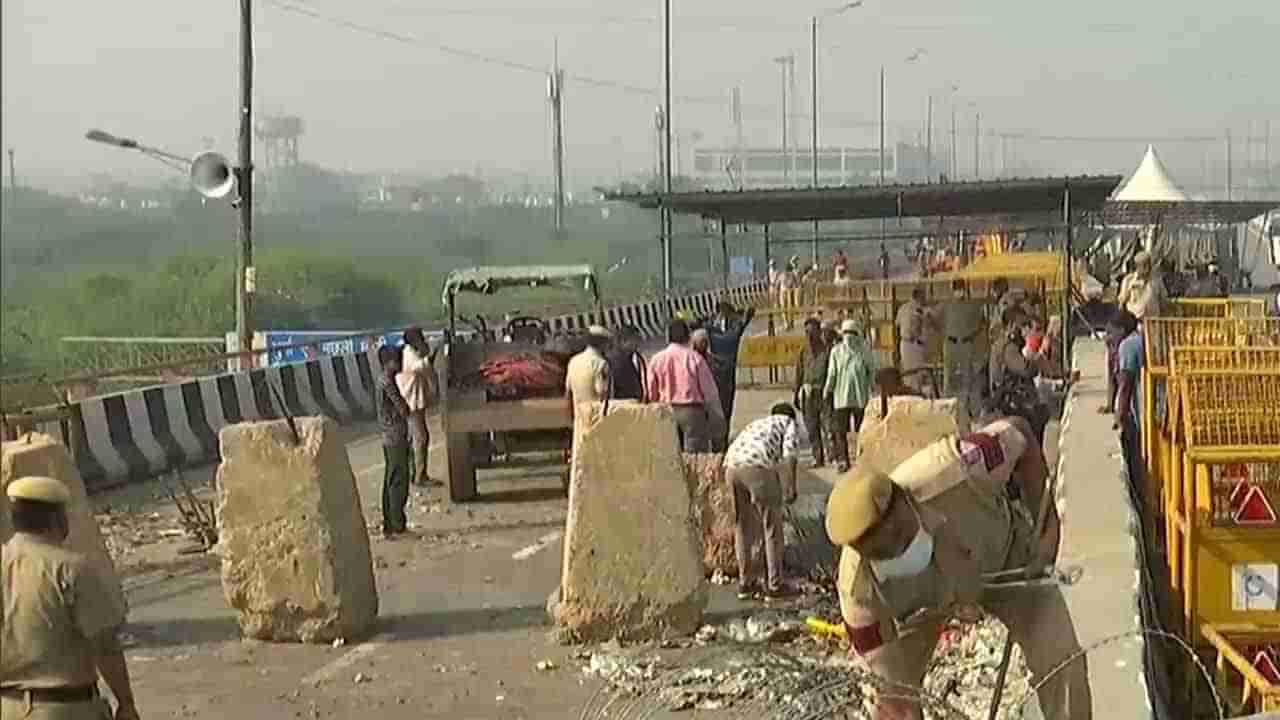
(141, 433)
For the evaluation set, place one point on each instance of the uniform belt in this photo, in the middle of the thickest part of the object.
(83, 693)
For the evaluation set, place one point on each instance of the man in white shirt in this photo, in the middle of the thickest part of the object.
(761, 467)
(417, 384)
(1142, 291)
(587, 376)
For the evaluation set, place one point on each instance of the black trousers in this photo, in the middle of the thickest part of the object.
(395, 487)
(840, 420)
(817, 413)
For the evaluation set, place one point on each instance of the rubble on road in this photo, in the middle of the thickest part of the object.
(764, 665)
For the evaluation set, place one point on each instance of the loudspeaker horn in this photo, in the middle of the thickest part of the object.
(211, 175)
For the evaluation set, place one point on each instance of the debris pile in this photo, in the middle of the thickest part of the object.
(964, 669)
(766, 666)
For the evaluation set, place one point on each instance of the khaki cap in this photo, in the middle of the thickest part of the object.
(599, 331)
(38, 489)
(856, 504)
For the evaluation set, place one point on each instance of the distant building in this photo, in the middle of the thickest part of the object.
(771, 167)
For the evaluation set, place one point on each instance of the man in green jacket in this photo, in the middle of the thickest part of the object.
(851, 369)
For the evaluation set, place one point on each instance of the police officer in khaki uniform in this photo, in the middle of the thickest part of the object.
(58, 632)
(916, 546)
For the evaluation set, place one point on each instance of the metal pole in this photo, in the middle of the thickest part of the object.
(245, 273)
(955, 172)
(813, 42)
(13, 187)
(737, 128)
(555, 86)
(881, 124)
(977, 163)
(666, 140)
(1228, 166)
(786, 151)
(1066, 278)
(724, 252)
(928, 138)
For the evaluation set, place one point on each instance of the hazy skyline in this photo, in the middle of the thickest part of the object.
(166, 73)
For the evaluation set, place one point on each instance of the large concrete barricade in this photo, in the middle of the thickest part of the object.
(633, 546)
(37, 454)
(292, 537)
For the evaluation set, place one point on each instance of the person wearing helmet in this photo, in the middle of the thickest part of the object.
(917, 543)
(58, 629)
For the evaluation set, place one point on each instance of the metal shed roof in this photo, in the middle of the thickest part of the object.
(954, 199)
(1150, 212)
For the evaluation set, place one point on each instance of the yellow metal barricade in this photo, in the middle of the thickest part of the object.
(1161, 335)
(1240, 650)
(1224, 488)
(762, 351)
(1234, 307)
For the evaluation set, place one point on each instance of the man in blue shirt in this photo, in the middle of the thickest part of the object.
(1131, 354)
(725, 330)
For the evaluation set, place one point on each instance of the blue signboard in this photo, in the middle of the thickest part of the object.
(328, 343)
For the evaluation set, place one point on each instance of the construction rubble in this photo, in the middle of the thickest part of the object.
(770, 665)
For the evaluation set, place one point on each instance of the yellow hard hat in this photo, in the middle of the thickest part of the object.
(857, 503)
(683, 315)
(38, 489)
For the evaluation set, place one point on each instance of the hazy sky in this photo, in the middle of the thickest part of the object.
(166, 73)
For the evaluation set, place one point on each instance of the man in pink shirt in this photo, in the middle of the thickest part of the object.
(680, 377)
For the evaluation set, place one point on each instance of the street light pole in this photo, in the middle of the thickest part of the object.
(666, 146)
(783, 62)
(977, 134)
(813, 91)
(881, 124)
(928, 138)
(245, 272)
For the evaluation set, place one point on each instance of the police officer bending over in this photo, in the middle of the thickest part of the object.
(916, 546)
(58, 631)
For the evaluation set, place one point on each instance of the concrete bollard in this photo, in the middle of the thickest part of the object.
(632, 565)
(295, 553)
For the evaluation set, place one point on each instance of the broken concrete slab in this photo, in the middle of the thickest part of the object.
(713, 508)
(295, 551)
(632, 567)
(40, 454)
(911, 424)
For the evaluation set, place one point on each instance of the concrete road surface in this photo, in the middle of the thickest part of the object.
(461, 627)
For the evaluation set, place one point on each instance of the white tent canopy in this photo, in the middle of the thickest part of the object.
(1151, 182)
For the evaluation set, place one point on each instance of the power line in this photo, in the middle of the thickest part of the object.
(1026, 135)
(506, 63)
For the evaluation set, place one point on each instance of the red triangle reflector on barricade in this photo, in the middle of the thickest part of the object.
(1255, 509)
(1266, 667)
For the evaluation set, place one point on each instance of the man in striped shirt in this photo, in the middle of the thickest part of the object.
(761, 467)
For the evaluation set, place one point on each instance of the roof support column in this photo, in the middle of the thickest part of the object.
(724, 253)
(1067, 250)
